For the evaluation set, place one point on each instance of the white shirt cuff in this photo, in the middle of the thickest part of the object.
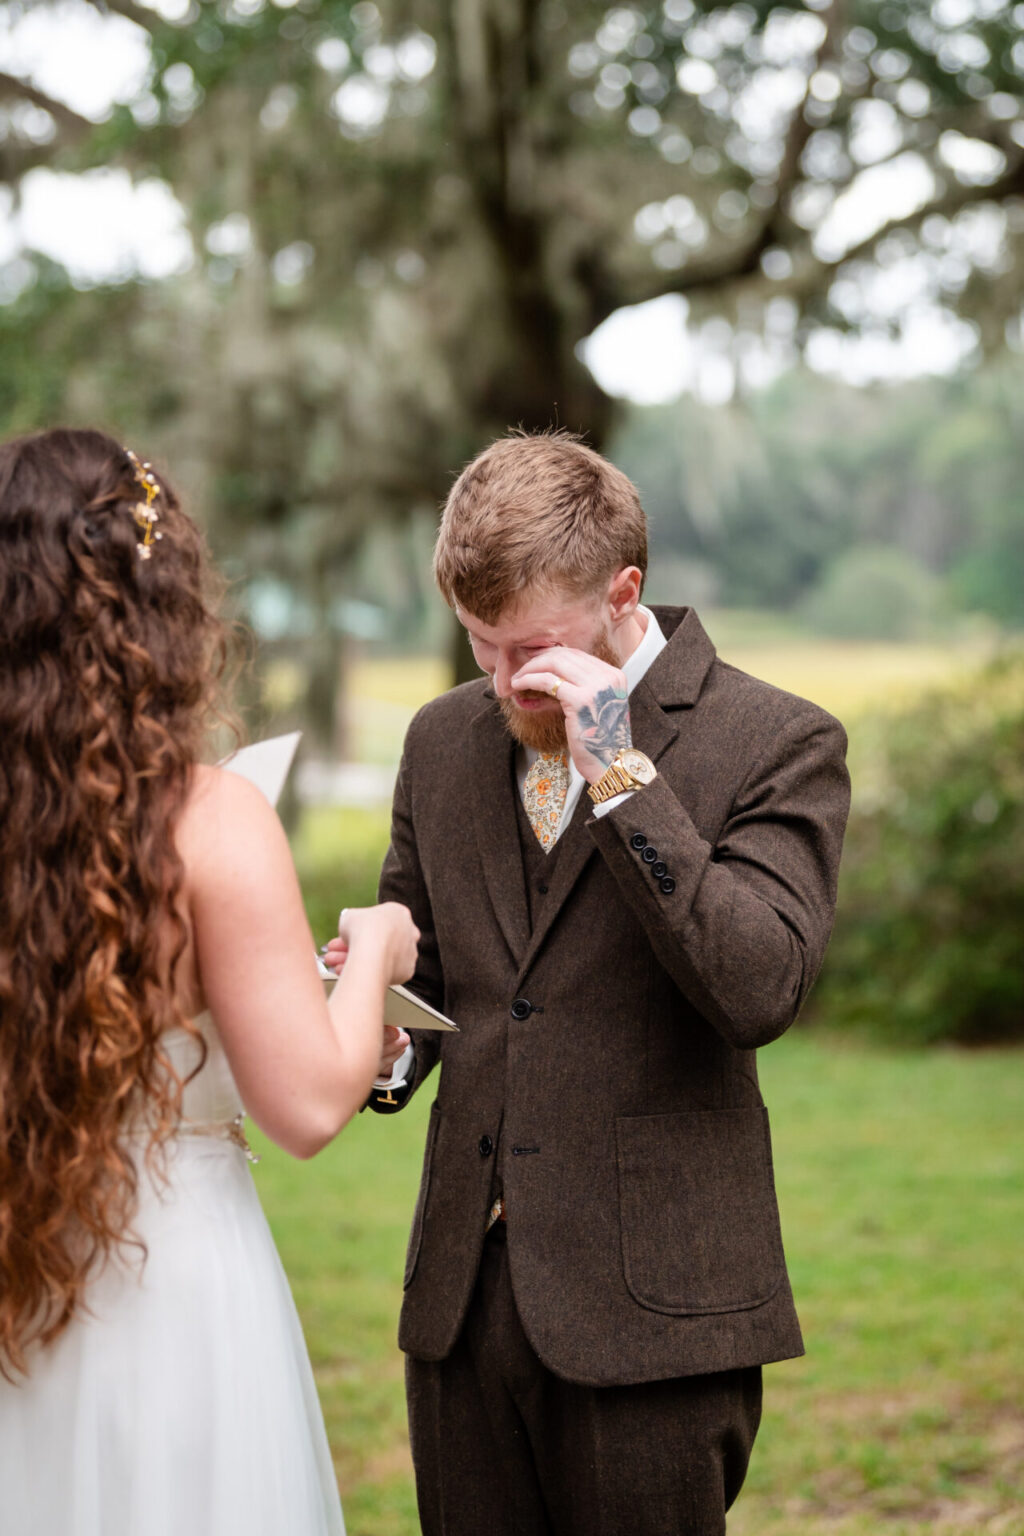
(399, 1072)
(609, 805)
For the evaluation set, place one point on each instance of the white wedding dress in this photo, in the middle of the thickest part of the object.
(182, 1403)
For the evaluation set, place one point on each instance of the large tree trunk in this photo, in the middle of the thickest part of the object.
(536, 380)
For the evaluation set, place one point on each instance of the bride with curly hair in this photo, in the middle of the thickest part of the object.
(156, 974)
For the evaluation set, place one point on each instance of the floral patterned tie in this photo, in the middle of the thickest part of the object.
(547, 781)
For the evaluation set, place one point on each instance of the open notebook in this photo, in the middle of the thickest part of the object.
(267, 765)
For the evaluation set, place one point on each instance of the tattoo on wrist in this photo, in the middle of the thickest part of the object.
(605, 728)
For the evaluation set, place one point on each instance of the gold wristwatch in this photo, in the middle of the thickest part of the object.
(629, 769)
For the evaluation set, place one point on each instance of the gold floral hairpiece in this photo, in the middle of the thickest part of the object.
(145, 513)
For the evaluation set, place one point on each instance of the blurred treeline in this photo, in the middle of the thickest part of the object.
(399, 226)
(886, 513)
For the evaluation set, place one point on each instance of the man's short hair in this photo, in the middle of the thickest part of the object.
(536, 511)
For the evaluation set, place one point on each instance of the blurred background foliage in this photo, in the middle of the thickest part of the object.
(399, 227)
(927, 945)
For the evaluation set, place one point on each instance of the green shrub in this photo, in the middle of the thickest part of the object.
(930, 928)
(873, 592)
(992, 580)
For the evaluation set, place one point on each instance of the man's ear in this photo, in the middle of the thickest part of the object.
(624, 592)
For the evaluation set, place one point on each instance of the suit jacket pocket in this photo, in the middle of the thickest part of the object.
(416, 1234)
(700, 1226)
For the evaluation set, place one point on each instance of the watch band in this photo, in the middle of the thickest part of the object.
(629, 769)
(614, 781)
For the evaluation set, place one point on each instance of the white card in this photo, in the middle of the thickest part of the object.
(402, 1009)
(265, 764)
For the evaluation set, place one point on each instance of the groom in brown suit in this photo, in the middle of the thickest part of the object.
(622, 855)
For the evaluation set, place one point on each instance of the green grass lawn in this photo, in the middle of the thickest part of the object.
(901, 1180)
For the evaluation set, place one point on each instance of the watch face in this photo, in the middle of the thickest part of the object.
(637, 765)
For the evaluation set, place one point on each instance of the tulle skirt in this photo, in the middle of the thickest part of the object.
(183, 1403)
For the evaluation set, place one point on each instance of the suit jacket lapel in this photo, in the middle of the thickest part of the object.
(653, 732)
(492, 791)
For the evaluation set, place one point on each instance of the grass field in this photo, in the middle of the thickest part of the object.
(901, 1181)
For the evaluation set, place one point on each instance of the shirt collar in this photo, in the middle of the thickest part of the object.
(647, 652)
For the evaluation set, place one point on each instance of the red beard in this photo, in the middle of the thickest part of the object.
(545, 732)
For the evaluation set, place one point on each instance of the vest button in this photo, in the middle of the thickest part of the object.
(659, 870)
(521, 1009)
(649, 854)
(638, 841)
(486, 1146)
(668, 885)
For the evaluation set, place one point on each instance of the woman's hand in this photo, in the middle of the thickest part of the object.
(389, 925)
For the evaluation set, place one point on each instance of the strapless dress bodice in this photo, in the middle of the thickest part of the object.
(211, 1097)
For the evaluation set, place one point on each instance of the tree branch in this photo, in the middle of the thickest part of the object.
(1010, 184)
(813, 272)
(800, 128)
(716, 272)
(12, 87)
(141, 15)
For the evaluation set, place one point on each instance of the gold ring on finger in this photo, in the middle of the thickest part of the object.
(555, 687)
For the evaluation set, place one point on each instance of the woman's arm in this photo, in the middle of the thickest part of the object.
(303, 1065)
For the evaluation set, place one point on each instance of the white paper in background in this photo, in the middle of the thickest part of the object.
(266, 763)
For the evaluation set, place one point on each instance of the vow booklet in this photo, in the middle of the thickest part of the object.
(403, 1008)
(407, 1011)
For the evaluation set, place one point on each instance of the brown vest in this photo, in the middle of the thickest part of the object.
(538, 866)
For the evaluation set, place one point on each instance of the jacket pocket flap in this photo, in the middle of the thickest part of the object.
(699, 1222)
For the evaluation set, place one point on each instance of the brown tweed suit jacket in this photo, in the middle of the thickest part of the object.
(605, 1075)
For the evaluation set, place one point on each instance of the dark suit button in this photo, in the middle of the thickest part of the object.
(521, 1009)
(668, 885)
(649, 854)
(542, 888)
(486, 1146)
(659, 869)
(638, 841)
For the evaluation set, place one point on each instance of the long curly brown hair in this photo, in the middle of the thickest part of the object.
(109, 674)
